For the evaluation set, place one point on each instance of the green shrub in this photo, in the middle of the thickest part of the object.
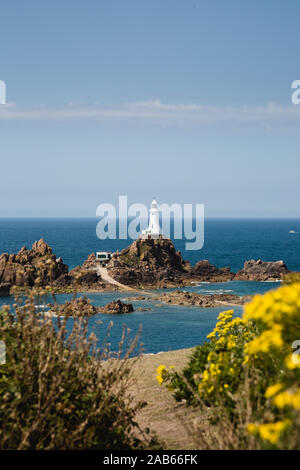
(59, 391)
(246, 378)
(215, 368)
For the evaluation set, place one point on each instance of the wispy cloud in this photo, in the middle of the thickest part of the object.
(156, 113)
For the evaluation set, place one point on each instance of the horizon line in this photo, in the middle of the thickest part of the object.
(97, 217)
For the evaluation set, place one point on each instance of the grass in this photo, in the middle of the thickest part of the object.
(163, 415)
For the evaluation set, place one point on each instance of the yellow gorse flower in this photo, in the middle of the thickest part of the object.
(258, 343)
(160, 371)
(269, 338)
(269, 432)
(159, 379)
(278, 312)
(288, 398)
(280, 306)
(291, 363)
(224, 363)
(273, 389)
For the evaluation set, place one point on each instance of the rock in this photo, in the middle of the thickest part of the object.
(204, 271)
(262, 271)
(85, 278)
(40, 247)
(4, 289)
(90, 262)
(151, 263)
(156, 263)
(80, 307)
(65, 280)
(204, 301)
(148, 262)
(27, 266)
(155, 254)
(117, 306)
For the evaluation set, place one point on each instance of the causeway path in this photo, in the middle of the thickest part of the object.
(106, 277)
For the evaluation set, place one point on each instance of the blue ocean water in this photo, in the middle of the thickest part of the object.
(227, 243)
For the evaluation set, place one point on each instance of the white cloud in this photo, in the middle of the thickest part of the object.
(155, 113)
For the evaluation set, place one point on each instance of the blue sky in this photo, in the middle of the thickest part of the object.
(189, 101)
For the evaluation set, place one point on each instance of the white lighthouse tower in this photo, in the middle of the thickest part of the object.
(153, 230)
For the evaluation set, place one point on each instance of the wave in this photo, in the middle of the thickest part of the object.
(217, 291)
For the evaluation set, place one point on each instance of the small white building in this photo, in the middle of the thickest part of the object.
(153, 230)
(103, 257)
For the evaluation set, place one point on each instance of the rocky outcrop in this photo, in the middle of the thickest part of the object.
(261, 271)
(89, 262)
(145, 263)
(204, 301)
(27, 267)
(204, 271)
(156, 263)
(80, 307)
(39, 265)
(117, 306)
(148, 263)
(86, 279)
(4, 289)
(155, 254)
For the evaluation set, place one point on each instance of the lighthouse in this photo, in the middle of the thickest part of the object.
(153, 230)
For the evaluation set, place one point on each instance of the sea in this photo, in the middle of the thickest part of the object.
(227, 242)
